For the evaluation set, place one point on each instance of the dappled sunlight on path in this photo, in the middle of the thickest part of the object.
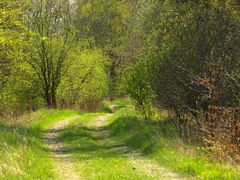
(64, 165)
(89, 151)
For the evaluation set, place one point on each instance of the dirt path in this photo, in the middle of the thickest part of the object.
(63, 163)
(151, 169)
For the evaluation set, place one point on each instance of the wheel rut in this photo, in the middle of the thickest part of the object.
(141, 164)
(63, 163)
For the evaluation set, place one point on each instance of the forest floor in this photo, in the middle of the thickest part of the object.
(137, 166)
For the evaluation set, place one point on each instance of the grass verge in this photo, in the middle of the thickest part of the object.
(159, 141)
(22, 152)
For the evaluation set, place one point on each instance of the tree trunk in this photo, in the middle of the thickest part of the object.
(50, 98)
(112, 86)
(47, 98)
(54, 99)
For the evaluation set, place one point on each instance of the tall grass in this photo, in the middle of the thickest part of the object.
(159, 140)
(22, 152)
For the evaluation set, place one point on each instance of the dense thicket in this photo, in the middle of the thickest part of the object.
(193, 49)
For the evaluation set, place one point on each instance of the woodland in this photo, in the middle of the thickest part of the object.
(160, 76)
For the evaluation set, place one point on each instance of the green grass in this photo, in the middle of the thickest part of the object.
(50, 117)
(93, 159)
(110, 106)
(159, 141)
(23, 155)
(22, 152)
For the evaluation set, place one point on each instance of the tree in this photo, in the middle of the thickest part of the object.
(11, 42)
(51, 36)
(107, 25)
(198, 67)
(85, 80)
(193, 52)
(137, 84)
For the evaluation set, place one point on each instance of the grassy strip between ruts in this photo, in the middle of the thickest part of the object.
(159, 141)
(22, 151)
(93, 158)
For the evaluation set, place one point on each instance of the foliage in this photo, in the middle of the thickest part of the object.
(11, 48)
(85, 79)
(194, 49)
(137, 85)
(107, 25)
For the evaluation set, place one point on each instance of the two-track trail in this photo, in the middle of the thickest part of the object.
(64, 161)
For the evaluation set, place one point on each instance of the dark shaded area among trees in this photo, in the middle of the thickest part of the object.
(183, 56)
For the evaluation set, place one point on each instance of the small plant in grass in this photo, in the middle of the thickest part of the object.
(138, 86)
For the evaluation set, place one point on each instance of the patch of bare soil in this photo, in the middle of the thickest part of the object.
(63, 163)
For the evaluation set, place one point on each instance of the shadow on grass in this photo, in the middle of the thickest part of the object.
(89, 143)
(143, 135)
(135, 135)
